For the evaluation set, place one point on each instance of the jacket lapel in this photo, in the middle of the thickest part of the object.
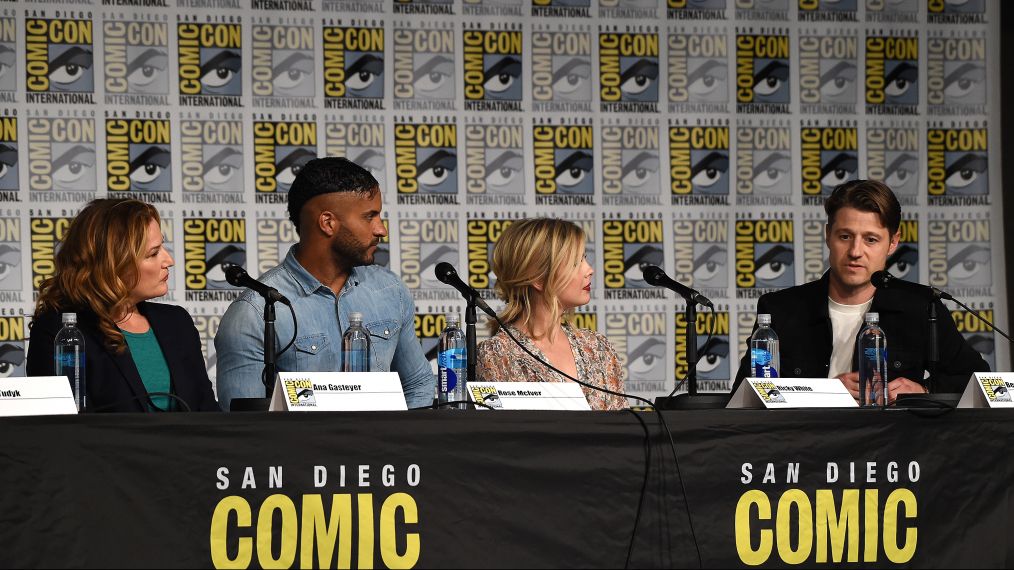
(166, 343)
(124, 362)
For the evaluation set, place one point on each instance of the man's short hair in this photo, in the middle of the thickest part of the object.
(866, 196)
(324, 176)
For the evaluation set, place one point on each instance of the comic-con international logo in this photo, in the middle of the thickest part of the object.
(762, 72)
(481, 237)
(46, 234)
(9, 156)
(61, 158)
(283, 5)
(8, 58)
(563, 163)
(282, 68)
(698, 78)
(628, 71)
(696, 9)
(830, 156)
(957, 163)
(423, 243)
(138, 153)
(494, 163)
(828, 10)
(631, 9)
(892, 74)
(11, 281)
(561, 8)
(713, 369)
(827, 74)
(978, 334)
(135, 62)
(275, 235)
(773, 10)
(896, 11)
(59, 59)
(493, 68)
(997, 390)
(299, 393)
(210, 62)
(12, 346)
(628, 246)
(426, 162)
(765, 256)
(361, 140)
(956, 11)
(699, 164)
(763, 164)
(492, 7)
(892, 155)
(423, 66)
(956, 75)
(701, 254)
(281, 148)
(959, 253)
(630, 162)
(904, 262)
(561, 70)
(814, 252)
(353, 67)
(639, 336)
(211, 165)
(440, 7)
(208, 244)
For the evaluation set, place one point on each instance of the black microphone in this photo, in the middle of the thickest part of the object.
(884, 280)
(238, 276)
(447, 275)
(654, 275)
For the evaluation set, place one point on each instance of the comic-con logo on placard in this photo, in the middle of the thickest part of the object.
(299, 393)
(628, 70)
(211, 165)
(830, 156)
(494, 162)
(698, 78)
(492, 7)
(814, 252)
(135, 60)
(769, 393)
(997, 390)
(628, 247)
(892, 155)
(426, 160)
(696, 9)
(359, 138)
(564, 158)
(639, 336)
(486, 396)
(892, 73)
(631, 9)
(11, 277)
(713, 369)
(896, 11)
(46, 234)
(138, 156)
(828, 10)
(211, 240)
(763, 163)
(354, 66)
(281, 148)
(493, 69)
(481, 234)
(12, 345)
(762, 72)
(957, 164)
(701, 253)
(59, 58)
(275, 235)
(8, 58)
(978, 334)
(440, 7)
(904, 262)
(827, 73)
(61, 157)
(423, 243)
(282, 73)
(959, 253)
(210, 61)
(765, 255)
(424, 66)
(699, 162)
(956, 74)
(630, 162)
(561, 8)
(561, 69)
(774, 10)
(9, 156)
(956, 11)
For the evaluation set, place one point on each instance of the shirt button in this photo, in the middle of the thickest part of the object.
(386, 331)
(797, 371)
(313, 347)
(897, 364)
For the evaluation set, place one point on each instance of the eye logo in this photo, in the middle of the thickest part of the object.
(765, 256)
(561, 70)
(904, 262)
(136, 57)
(494, 160)
(827, 72)
(977, 334)
(830, 157)
(712, 367)
(12, 346)
(492, 69)
(8, 55)
(629, 246)
(424, 66)
(892, 73)
(209, 244)
(426, 158)
(958, 163)
(61, 154)
(138, 155)
(628, 70)
(46, 235)
(763, 161)
(353, 66)
(212, 156)
(59, 55)
(639, 338)
(892, 155)
(424, 244)
(210, 61)
(282, 61)
(956, 73)
(281, 148)
(762, 72)
(362, 142)
(8, 155)
(959, 256)
(10, 254)
(482, 236)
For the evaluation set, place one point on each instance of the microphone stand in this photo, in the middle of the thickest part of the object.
(933, 347)
(270, 366)
(470, 344)
(692, 400)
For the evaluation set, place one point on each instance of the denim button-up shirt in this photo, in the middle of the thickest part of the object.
(388, 313)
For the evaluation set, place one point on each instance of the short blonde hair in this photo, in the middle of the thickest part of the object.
(541, 251)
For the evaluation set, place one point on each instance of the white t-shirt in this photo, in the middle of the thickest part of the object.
(846, 320)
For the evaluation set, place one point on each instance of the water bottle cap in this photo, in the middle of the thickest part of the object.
(356, 317)
(453, 318)
(873, 317)
(69, 318)
(763, 319)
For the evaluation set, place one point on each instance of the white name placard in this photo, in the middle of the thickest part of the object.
(337, 392)
(774, 393)
(988, 390)
(528, 395)
(36, 396)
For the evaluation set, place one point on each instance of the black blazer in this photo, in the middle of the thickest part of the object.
(112, 380)
(799, 315)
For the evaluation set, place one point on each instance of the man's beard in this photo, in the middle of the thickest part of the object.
(347, 251)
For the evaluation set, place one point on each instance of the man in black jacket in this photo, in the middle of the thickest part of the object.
(817, 323)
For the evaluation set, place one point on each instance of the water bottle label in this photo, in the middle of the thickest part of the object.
(449, 361)
(761, 362)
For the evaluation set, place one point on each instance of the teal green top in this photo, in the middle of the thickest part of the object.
(151, 364)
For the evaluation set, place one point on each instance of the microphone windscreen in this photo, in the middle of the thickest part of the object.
(234, 274)
(880, 278)
(444, 271)
(652, 273)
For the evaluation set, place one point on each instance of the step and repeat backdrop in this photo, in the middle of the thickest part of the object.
(701, 136)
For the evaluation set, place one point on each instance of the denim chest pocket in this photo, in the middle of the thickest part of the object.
(383, 341)
(313, 354)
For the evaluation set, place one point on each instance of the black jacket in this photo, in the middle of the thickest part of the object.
(112, 380)
(799, 315)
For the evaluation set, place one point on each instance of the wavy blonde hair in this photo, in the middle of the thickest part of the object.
(542, 251)
(97, 263)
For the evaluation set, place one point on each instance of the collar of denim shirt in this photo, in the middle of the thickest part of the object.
(310, 284)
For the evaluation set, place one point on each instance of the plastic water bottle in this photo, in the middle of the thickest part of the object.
(69, 358)
(872, 348)
(356, 346)
(764, 358)
(452, 363)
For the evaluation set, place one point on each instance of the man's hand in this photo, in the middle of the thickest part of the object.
(903, 386)
(851, 382)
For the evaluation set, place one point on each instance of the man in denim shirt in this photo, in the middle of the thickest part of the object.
(335, 206)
